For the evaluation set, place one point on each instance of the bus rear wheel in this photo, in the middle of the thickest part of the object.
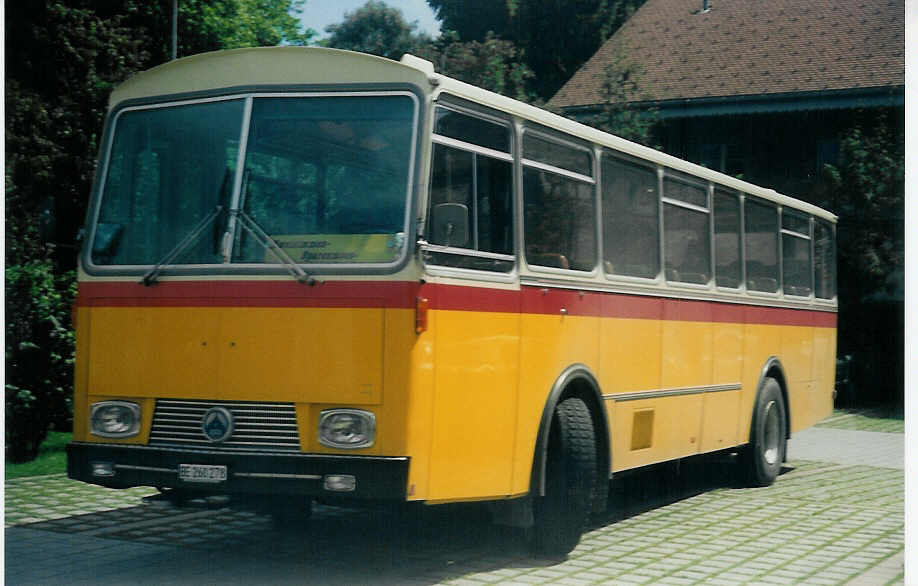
(570, 473)
(761, 460)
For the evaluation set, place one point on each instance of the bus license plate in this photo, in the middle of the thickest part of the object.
(202, 473)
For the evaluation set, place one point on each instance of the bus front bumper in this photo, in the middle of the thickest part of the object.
(249, 472)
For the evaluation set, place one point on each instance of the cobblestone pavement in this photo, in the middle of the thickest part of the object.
(822, 523)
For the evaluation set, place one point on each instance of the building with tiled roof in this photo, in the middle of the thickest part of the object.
(758, 88)
(737, 54)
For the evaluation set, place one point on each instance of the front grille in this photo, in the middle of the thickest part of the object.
(257, 426)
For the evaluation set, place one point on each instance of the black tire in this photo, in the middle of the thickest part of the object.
(570, 475)
(761, 460)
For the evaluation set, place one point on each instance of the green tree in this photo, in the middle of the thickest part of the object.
(554, 38)
(206, 25)
(867, 191)
(378, 29)
(39, 355)
(493, 64)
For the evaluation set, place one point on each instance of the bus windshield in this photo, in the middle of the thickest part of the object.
(325, 177)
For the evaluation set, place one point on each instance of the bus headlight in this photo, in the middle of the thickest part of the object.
(347, 428)
(114, 419)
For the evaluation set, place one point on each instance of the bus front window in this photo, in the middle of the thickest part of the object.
(325, 177)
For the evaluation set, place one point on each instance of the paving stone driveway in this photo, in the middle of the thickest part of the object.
(823, 522)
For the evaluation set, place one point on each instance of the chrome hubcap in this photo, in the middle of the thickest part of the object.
(772, 438)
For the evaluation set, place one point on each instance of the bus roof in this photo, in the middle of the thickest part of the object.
(446, 84)
(264, 66)
(299, 66)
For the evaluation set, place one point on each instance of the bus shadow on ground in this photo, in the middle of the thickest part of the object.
(646, 489)
(422, 544)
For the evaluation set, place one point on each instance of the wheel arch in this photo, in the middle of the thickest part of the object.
(774, 369)
(577, 380)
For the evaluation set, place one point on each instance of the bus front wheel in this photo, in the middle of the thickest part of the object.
(570, 472)
(761, 460)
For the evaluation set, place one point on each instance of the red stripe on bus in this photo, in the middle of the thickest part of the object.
(391, 294)
(461, 298)
(402, 294)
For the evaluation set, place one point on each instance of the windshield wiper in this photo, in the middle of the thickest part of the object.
(270, 245)
(151, 276)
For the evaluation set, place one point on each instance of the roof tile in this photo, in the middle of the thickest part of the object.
(749, 47)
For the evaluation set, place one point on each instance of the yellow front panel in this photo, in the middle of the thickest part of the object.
(265, 354)
(319, 355)
(153, 352)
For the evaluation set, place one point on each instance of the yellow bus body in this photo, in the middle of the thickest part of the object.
(462, 400)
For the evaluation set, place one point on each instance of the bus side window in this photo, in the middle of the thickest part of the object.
(824, 261)
(795, 252)
(471, 175)
(727, 268)
(560, 221)
(686, 232)
(630, 218)
(761, 246)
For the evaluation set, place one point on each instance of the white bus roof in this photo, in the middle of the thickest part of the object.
(317, 66)
(516, 108)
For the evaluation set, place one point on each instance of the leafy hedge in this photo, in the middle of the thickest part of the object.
(39, 356)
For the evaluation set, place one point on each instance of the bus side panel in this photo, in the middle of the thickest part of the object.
(476, 383)
(550, 342)
(414, 370)
(823, 371)
(647, 431)
(687, 344)
(721, 409)
(797, 358)
(631, 355)
(630, 360)
(818, 399)
(760, 342)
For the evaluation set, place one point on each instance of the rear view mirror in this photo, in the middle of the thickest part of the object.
(450, 224)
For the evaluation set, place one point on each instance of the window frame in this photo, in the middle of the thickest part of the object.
(449, 103)
(794, 234)
(248, 95)
(570, 142)
(692, 181)
(653, 169)
(773, 205)
(832, 227)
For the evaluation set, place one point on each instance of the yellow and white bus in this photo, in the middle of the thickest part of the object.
(318, 274)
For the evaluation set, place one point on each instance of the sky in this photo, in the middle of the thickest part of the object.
(317, 14)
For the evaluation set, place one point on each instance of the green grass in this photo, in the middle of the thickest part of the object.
(52, 458)
(887, 419)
